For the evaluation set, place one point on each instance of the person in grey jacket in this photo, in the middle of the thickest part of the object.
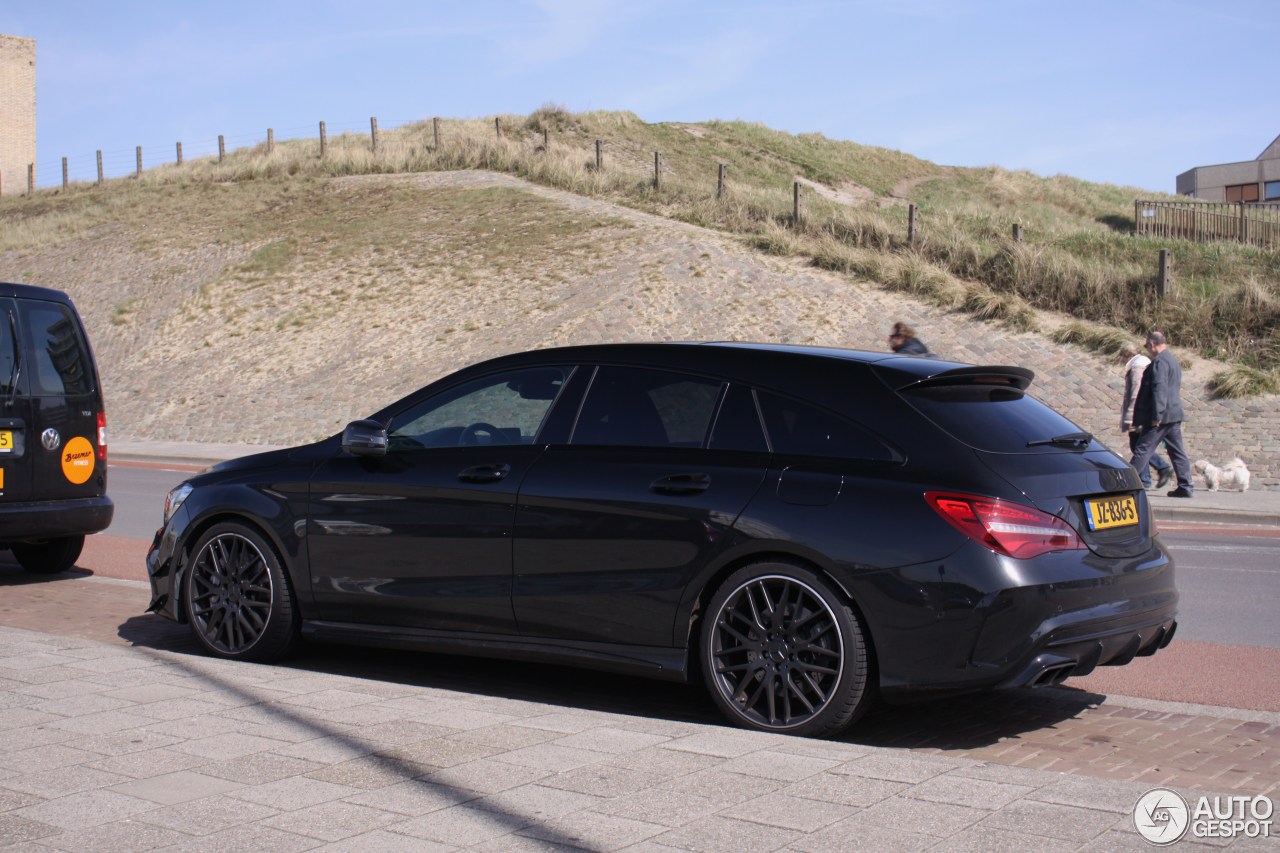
(1135, 364)
(1158, 415)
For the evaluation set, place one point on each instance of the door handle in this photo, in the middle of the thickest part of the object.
(484, 473)
(681, 484)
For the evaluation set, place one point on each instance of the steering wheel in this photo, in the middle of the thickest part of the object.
(471, 434)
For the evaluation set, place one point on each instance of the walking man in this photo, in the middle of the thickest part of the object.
(1134, 367)
(1158, 413)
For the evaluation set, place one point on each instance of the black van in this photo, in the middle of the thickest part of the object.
(53, 431)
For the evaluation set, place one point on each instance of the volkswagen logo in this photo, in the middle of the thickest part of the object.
(50, 439)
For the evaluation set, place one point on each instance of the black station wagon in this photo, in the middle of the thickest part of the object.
(804, 529)
(53, 431)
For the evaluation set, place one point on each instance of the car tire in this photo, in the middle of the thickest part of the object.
(237, 597)
(49, 557)
(782, 651)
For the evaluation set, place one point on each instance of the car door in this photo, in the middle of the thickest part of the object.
(614, 525)
(15, 412)
(421, 537)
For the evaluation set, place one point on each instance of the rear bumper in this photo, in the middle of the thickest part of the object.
(23, 522)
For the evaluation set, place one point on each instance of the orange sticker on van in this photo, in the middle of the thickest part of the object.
(78, 460)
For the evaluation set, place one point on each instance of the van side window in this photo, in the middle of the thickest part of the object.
(58, 364)
(8, 347)
(642, 407)
(805, 430)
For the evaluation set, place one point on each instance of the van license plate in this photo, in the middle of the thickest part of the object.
(6, 441)
(1111, 512)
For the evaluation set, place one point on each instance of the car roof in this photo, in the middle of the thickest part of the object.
(31, 291)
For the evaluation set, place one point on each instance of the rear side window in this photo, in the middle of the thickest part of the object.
(58, 361)
(8, 347)
(802, 429)
(992, 418)
(646, 408)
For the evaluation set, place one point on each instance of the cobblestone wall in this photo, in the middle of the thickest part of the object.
(17, 112)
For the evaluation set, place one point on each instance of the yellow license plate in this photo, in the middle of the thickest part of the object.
(6, 441)
(1111, 512)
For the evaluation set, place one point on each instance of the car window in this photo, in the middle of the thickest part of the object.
(8, 347)
(646, 408)
(738, 424)
(802, 429)
(59, 363)
(991, 418)
(506, 408)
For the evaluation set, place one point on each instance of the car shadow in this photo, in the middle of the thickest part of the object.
(12, 574)
(965, 722)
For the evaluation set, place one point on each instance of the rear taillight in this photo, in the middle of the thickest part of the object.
(1008, 528)
(102, 436)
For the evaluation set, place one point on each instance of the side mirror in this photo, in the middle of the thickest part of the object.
(365, 438)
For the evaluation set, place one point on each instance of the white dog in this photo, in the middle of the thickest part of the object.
(1232, 473)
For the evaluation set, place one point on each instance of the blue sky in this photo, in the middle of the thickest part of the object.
(1129, 92)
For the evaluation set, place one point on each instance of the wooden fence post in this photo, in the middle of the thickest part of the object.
(497, 127)
(911, 225)
(31, 179)
(435, 130)
(64, 173)
(1244, 225)
(99, 167)
(599, 155)
(222, 148)
(139, 161)
(1164, 284)
(271, 141)
(720, 180)
(373, 132)
(1017, 232)
(546, 139)
(795, 203)
(657, 170)
(324, 141)
(179, 153)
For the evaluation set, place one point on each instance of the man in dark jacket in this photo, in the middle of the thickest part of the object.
(1158, 413)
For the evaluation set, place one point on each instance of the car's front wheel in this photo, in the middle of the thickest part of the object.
(49, 557)
(783, 652)
(237, 597)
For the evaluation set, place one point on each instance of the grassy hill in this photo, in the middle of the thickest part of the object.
(262, 243)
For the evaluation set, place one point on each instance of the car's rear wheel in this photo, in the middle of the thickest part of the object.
(237, 597)
(49, 557)
(783, 652)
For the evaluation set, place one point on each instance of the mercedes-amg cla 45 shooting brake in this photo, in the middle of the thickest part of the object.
(803, 529)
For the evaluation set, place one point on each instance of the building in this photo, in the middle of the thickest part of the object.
(1251, 181)
(17, 112)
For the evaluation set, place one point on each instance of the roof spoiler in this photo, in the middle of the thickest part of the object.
(998, 374)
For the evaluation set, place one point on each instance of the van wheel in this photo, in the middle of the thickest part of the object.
(237, 597)
(49, 557)
(782, 652)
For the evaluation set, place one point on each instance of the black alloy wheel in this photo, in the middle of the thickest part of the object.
(782, 652)
(49, 557)
(237, 598)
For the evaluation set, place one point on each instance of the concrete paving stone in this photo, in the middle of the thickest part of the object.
(504, 737)
(523, 844)
(921, 816)
(229, 745)
(665, 762)
(13, 664)
(1071, 823)
(611, 740)
(249, 837)
(789, 812)
(1011, 775)
(984, 839)
(325, 750)
(721, 743)
(898, 766)
(653, 847)
(39, 759)
(441, 752)
(97, 665)
(15, 830)
(845, 790)
(16, 692)
(31, 736)
(420, 704)
(961, 791)
(651, 726)
(466, 822)
(603, 780)
(85, 809)
(207, 816)
(334, 821)
(153, 762)
(294, 793)
(299, 730)
(716, 834)
(470, 718)
(565, 723)
(193, 727)
(382, 841)
(178, 708)
(594, 831)
(160, 692)
(48, 675)
(785, 767)
(825, 749)
(414, 798)
(485, 776)
(11, 799)
(122, 836)
(397, 731)
(856, 835)
(1091, 793)
(173, 788)
(126, 742)
(22, 718)
(329, 700)
(369, 772)
(659, 805)
(724, 789)
(79, 705)
(64, 781)
(1112, 842)
(537, 803)
(102, 722)
(548, 756)
(259, 768)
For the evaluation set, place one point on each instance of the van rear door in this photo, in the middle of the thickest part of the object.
(15, 411)
(65, 402)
